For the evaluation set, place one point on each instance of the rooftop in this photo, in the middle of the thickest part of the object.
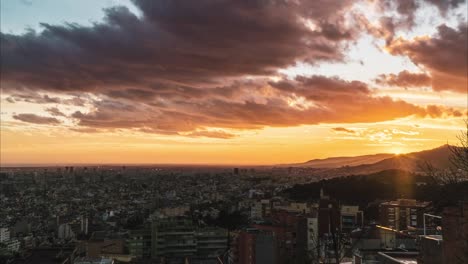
(407, 202)
(400, 257)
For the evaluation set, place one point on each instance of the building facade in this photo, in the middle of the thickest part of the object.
(179, 238)
(403, 214)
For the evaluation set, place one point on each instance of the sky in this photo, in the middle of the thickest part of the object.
(228, 82)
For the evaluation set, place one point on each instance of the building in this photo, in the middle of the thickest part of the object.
(175, 211)
(403, 214)
(90, 260)
(328, 217)
(243, 247)
(307, 239)
(139, 243)
(104, 243)
(179, 238)
(351, 218)
(65, 232)
(293, 207)
(455, 233)
(397, 257)
(368, 242)
(4, 234)
(430, 250)
(296, 235)
(13, 245)
(254, 246)
(172, 237)
(260, 209)
(48, 255)
(265, 246)
(212, 242)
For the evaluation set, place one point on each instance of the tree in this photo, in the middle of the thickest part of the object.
(458, 171)
(459, 158)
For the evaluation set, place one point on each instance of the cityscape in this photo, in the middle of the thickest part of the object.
(200, 214)
(234, 132)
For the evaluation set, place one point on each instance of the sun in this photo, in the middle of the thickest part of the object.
(396, 151)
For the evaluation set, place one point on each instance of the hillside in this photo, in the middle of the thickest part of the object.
(384, 185)
(412, 162)
(336, 162)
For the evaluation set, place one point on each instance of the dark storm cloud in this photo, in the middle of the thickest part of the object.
(36, 119)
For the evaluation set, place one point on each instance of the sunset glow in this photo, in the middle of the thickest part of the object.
(134, 82)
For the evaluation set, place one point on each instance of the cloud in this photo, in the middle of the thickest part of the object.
(401, 15)
(405, 79)
(36, 119)
(445, 5)
(194, 68)
(85, 130)
(403, 132)
(33, 97)
(211, 134)
(175, 42)
(435, 111)
(443, 56)
(256, 104)
(54, 111)
(344, 130)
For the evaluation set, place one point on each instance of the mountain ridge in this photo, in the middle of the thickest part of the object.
(367, 164)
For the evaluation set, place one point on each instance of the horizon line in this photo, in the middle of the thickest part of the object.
(97, 164)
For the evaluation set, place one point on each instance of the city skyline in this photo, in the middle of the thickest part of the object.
(229, 82)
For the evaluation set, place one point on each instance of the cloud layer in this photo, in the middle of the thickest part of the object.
(199, 68)
(174, 42)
